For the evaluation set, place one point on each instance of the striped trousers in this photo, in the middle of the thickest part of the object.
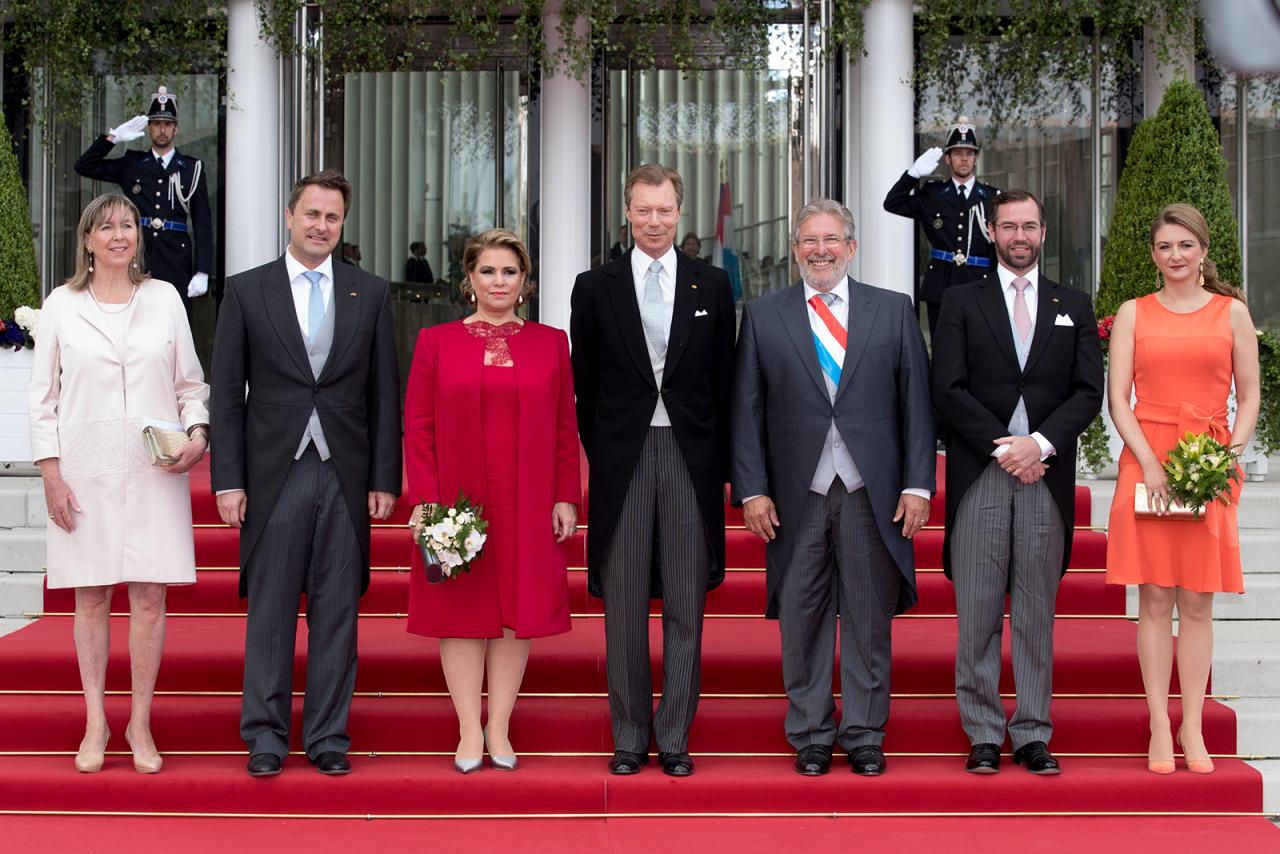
(1006, 536)
(659, 526)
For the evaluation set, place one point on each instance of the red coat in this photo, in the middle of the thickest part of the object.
(444, 454)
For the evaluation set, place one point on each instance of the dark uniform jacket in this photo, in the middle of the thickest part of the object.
(949, 227)
(146, 183)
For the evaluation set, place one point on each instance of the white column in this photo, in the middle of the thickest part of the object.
(1158, 73)
(881, 118)
(565, 206)
(253, 200)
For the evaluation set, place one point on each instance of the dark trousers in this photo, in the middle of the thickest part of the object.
(308, 545)
(659, 521)
(839, 570)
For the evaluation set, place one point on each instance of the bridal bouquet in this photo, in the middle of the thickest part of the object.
(1200, 470)
(450, 536)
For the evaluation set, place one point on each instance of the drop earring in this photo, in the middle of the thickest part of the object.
(520, 299)
(472, 298)
(90, 262)
(1202, 272)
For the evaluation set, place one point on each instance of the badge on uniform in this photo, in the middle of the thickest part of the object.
(937, 223)
(137, 188)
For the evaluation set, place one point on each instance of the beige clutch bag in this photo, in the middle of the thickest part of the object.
(1174, 512)
(162, 445)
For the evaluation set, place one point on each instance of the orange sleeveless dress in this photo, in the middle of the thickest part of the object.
(1182, 376)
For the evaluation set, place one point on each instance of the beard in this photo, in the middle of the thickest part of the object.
(824, 280)
(1006, 254)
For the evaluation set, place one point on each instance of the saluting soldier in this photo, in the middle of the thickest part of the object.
(952, 213)
(170, 191)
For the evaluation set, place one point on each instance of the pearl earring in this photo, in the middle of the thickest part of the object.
(90, 262)
(520, 299)
(473, 298)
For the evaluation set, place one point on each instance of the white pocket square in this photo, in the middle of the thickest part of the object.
(1064, 320)
(702, 312)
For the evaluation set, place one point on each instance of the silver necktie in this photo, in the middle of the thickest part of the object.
(651, 309)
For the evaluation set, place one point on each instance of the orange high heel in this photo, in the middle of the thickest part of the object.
(1195, 766)
(1162, 767)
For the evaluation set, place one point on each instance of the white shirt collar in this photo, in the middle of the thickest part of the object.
(166, 157)
(968, 185)
(1007, 276)
(640, 261)
(296, 268)
(841, 290)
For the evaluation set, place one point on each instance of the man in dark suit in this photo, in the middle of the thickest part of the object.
(305, 459)
(833, 463)
(417, 268)
(171, 193)
(652, 336)
(951, 213)
(1017, 374)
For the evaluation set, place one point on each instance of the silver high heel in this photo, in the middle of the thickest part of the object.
(501, 763)
(468, 766)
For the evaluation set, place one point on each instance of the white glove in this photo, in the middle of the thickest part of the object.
(198, 286)
(133, 129)
(926, 163)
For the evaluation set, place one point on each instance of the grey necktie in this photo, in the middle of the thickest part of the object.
(315, 305)
(651, 309)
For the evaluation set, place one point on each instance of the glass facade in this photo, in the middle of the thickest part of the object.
(1261, 188)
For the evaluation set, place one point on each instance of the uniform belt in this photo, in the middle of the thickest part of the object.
(157, 224)
(965, 260)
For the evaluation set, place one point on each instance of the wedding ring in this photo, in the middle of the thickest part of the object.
(50, 515)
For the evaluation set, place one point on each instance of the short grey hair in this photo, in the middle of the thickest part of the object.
(824, 206)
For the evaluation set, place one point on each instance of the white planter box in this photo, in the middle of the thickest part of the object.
(15, 432)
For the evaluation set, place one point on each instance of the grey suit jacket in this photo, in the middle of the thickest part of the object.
(357, 395)
(782, 412)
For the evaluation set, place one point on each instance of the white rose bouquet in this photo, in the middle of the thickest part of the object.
(450, 536)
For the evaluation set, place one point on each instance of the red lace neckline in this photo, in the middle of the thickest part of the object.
(496, 350)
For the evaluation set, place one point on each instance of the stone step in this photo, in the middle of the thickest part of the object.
(1260, 600)
(9, 625)
(1257, 726)
(22, 550)
(1246, 658)
(21, 593)
(1270, 771)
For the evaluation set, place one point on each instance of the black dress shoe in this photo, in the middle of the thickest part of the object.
(1036, 756)
(676, 764)
(983, 759)
(625, 762)
(813, 760)
(867, 760)
(332, 762)
(263, 765)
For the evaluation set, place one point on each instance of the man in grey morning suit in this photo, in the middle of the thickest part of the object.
(833, 462)
(652, 335)
(304, 461)
(1017, 376)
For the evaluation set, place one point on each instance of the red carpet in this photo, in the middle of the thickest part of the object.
(404, 732)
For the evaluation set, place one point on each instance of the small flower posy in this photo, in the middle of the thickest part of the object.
(451, 536)
(1200, 470)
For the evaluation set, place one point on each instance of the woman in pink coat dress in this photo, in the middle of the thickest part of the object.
(113, 348)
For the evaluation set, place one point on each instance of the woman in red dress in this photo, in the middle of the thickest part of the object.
(489, 411)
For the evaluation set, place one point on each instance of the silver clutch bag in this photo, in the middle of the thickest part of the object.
(1174, 512)
(162, 445)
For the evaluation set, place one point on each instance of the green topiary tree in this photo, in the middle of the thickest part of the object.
(1175, 156)
(19, 276)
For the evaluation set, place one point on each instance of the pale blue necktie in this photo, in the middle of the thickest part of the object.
(315, 305)
(651, 309)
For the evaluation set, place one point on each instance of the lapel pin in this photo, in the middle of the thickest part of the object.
(354, 294)
(1055, 299)
(693, 285)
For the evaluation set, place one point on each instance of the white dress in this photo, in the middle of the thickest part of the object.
(96, 375)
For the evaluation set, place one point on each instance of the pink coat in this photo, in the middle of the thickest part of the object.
(87, 404)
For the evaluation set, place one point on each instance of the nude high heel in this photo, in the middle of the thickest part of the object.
(144, 764)
(89, 759)
(1199, 765)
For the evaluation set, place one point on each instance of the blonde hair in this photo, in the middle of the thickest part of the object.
(1192, 220)
(497, 238)
(95, 214)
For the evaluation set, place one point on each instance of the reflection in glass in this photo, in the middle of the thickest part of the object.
(1263, 180)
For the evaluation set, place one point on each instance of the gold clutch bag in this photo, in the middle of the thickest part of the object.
(162, 445)
(1174, 512)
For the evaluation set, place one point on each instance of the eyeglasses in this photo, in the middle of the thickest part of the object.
(828, 242)
(1009, 229)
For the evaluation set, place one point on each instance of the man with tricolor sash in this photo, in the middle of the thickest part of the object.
(833, 464)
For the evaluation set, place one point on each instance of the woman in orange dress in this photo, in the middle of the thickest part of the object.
(1178, 350)
(489, 411)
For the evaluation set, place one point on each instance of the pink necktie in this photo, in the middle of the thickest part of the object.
(1021, 316)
